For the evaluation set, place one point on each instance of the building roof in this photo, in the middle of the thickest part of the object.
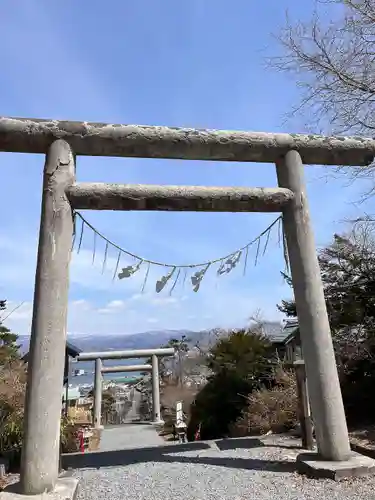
(291, 326)
(71, 350)
(280, 334)
(73, 394)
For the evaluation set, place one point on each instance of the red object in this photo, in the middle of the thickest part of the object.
(81, 442)
(197, 435)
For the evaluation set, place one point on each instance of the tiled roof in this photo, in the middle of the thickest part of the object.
(70, 349)
(279, 333)
(291, 326)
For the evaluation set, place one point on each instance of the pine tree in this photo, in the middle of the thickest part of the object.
(348, 274)
(9, 349)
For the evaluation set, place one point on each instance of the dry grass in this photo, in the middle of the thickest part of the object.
(13, 384)
(12, 397)
(80, 415)
(174, 393)
(364, 437)
(3, 482)
(270, 410)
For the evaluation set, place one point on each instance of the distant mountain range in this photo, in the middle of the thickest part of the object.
(145, 340)
(118, 342)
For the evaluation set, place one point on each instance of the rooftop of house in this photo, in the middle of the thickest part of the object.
(279, 333)
(71, 350)
(73, 394)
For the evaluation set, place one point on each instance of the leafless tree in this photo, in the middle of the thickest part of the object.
(208, 340)
(332, 57)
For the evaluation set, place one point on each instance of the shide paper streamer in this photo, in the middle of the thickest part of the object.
(173, 272)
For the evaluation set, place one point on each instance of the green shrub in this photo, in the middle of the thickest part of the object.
(240, 363)
(217, 405)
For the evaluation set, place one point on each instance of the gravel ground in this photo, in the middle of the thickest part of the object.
(230, 469)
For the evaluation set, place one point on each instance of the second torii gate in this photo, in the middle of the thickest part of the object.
(129, 369)
(98, 357)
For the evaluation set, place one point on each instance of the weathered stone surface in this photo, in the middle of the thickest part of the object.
(128, 354)
(46, 360)
(316, 340)
(357, 465)
(100, 196)
(30, 135)
(65, 489)
(126, 368)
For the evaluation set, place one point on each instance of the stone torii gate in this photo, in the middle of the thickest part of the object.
(141, 368)
(98, 357)
(62, 142)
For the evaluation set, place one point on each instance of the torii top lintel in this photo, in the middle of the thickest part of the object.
(30, 135)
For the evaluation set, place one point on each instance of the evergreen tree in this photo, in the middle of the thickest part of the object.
(9, 349)
(348, 273)
(244, 353)
(240, 363)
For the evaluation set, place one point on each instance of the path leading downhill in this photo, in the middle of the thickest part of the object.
(125, 436)
(136, 399)
(232, 469)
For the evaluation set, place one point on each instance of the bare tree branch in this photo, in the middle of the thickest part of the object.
(334, 65)
(332, 57)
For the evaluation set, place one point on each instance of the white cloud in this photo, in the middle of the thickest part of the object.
(152, 320)
(113, 307)
(105, 310)
(82, 304)
(158, 300)
(101, 303)
(116, 304)
(164, 301)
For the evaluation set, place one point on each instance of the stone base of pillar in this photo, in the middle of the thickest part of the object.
(65, 489)
(313, 466)
(157, 422)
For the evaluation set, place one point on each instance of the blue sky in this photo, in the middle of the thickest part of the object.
(192, 64)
